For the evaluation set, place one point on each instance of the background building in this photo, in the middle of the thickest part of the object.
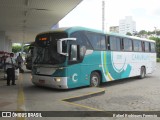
(127, 25)
(114, 29)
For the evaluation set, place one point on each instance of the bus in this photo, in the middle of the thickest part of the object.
(29, 55)
(73, 57)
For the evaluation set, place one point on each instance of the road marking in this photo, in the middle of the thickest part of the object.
(90, 93)
(83, 106)
(20, 99)
(80, 105)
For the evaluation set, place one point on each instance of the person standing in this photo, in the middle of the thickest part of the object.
(20, 61)
(10, 67)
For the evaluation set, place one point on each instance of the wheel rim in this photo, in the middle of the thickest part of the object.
(95, 81)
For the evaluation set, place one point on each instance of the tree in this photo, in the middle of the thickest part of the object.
(16, 48)
(158, 32)
(128, 33)
(157, 45)
(142, 32)
(150, 32)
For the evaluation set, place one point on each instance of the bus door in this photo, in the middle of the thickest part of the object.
(75, 58)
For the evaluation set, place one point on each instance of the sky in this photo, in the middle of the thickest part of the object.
(146, 14)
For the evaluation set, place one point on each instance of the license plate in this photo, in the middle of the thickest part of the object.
(42, 81)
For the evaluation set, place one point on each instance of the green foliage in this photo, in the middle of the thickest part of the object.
(157, 45)
(142, 32)
(128, 33)
(158, 59)
(150, 33)
(26, 48)
(16, 48)
(155, 38)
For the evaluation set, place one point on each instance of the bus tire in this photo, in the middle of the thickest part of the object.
(142, 73)
(95, 79)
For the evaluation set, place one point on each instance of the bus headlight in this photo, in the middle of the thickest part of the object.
(57, 79)
(31, 77)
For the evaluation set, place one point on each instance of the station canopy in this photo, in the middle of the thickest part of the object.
(22, 20)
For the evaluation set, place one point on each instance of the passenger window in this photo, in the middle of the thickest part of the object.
(127, 44)
(97, 40)
(114, 43)
(81, 39)
(137, 45)
(146, 46)
(152, 47)
(103, 43)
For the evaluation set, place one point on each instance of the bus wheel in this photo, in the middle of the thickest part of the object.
(95, 79)
(143, 73)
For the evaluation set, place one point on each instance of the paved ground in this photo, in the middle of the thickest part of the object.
(26, 97)
(126, 95)
(131, 94)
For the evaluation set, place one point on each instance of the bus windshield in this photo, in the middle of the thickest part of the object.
(45, 50)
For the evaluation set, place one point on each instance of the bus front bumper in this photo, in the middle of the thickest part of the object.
(52, 82)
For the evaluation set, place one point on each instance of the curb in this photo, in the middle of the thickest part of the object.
(82, 97)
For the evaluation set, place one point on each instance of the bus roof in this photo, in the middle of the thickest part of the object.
(72, 29)
(131, 37)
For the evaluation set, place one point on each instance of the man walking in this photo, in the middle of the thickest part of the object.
(20, 61)
(10, 67)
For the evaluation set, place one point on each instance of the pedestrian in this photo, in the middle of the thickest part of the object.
(10, 67)
(19, 62)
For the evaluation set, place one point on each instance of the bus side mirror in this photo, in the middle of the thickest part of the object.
(59, 45)
(59, 48)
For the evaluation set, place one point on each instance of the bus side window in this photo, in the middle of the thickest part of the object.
(103, 42)
(137, 45)
(97, 40)
(147, 46)
(127, 44)
(81, 39)
(152, 47)
(114, 43)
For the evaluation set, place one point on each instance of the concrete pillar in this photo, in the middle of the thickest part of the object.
(5, 43)
(2, 41)
(8, 45)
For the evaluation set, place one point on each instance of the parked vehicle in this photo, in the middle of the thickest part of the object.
(29, 55)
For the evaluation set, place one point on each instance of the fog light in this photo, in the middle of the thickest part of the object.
(57, 79)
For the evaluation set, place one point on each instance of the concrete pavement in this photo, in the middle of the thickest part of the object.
(26, 97)
(129, 95)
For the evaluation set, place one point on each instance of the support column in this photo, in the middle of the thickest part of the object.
(2, 41)
(5, 43)
(8, 45)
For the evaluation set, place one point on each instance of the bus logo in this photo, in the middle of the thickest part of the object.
(74, 77)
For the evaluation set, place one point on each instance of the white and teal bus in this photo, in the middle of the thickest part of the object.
(73, 57)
